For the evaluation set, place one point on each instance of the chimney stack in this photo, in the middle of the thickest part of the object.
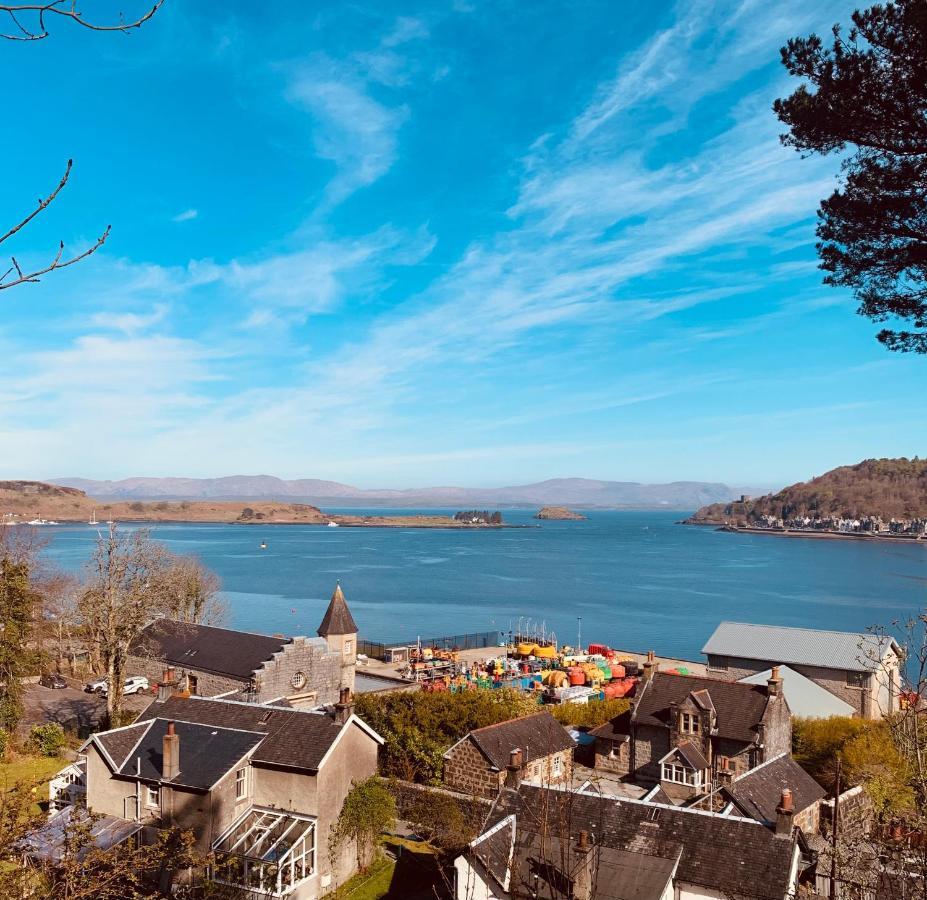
(785, 813)
(167, 684)
(774, 683)
(170, 754)
(725, 774)
(583, 874)
(344, 708)
(650, 666)
(513, 769)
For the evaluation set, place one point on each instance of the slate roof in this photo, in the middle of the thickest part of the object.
(732, 856)
(629, 875)
(692, 755)
(337, 618)
(295, 739)
(739, 707)
(220, 651)
(206, 753)
(120, 741)
(805, 697)
(854, 651)
(537, 735)
(757, 793)
(616, 729)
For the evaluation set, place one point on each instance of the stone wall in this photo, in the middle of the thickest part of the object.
(308, 660)
(777, 729)
(207, 685)
(613, 756)
(651, 744)
(475, 809)
(468, 771)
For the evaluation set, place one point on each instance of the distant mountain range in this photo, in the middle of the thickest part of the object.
(581, 492)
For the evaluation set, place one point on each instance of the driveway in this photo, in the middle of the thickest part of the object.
(70, 707)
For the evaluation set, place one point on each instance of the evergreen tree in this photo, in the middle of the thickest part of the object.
(867, 92)
(17, 603)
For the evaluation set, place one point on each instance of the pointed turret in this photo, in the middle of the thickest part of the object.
(340, 631)
(338, 619)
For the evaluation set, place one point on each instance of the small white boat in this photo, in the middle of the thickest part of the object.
(93, 518)
(332, 524)
(37, 522)
(263, 545)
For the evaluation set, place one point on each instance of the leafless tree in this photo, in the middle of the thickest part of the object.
(29, 22)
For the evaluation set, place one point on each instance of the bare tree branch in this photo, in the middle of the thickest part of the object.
(57, 262)
(66, 9)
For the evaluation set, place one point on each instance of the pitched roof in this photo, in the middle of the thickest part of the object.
(337, 618)
(855, 651)
(692, 755)
(739, 707)
(220, 651)
(206, 753)
(119, 742)
(295, 739)
(537, 735)
(616, 729)
(730, 855)
(757, 793)
(806, 698)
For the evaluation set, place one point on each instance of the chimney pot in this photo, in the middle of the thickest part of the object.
(170, 728)
(583, 841)
(785, 814)
(786, 801)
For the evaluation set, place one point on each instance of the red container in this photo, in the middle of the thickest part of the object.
(577, 675)
(617, 670)
(597, 649)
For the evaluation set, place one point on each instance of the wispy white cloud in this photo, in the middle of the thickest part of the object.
(186, 215)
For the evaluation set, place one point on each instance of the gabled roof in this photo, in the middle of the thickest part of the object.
(726, 854)
(690, 754)
(757, 793)
(805, 697)
(118, 743)
(206, 753)
(220, 651)
(337, 618)
(855, 651)
(295, 739)
(739, 707)
(537, 735)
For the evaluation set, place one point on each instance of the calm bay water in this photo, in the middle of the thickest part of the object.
(637, 579)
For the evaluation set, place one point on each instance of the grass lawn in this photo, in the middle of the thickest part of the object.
(31, 768)
(410, 877)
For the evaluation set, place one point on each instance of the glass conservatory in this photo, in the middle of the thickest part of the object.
(268, 851)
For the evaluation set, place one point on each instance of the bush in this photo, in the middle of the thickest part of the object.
(591, 714)
(368, 810)
(439, 818)
(418, 727)
(47, 739)
(4, 742)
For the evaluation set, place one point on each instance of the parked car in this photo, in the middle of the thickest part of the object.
(96, 687)
(53, 680)
(134, 684)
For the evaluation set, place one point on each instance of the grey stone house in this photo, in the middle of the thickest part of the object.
(683, 730)
(581, 844)
(861, 669)
(258, 785)
(535, 747)
(207, 661)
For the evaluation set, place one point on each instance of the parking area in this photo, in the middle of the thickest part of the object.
(70, 707)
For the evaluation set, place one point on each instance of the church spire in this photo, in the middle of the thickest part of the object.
(338, 618)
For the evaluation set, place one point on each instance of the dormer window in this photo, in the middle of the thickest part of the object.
(688, 723)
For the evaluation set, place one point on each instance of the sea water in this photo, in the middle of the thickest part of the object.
(637, 579)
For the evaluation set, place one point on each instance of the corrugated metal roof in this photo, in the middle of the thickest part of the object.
(802, 646)
(806, 698)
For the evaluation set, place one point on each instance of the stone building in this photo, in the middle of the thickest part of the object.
(207, 661)
(260, 786)
(863, 670)
(683, 730)
(535, 747)
(589, 846)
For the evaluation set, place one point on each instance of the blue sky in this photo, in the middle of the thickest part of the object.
(432, 243)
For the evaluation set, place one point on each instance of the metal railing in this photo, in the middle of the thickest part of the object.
(473, 640)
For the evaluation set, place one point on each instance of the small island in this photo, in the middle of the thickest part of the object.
(559, 513)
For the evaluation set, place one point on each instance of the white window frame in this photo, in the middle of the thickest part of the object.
(680, 774)
(349, 647)
(152, 797)
(557, 766)
(241, 783)
(688, 723)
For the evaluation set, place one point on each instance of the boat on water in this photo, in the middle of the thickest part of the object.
(332, 524)
(93, 518)
(41, 522)
(263, 545)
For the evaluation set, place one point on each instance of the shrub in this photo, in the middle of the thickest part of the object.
(368, 810)
(591, 714)
(439, 818)
(4, 742)
(47, 739)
